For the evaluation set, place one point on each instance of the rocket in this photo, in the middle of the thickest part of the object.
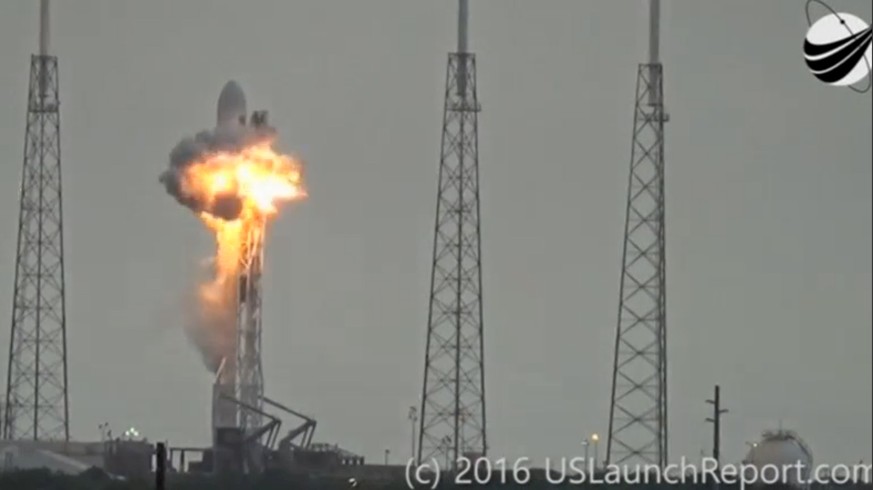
(232, 108)
(232, 113)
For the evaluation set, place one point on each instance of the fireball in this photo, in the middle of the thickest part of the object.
(238, 192)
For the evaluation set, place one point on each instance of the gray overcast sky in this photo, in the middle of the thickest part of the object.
(769, 212)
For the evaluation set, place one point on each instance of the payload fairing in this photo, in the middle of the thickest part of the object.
(231, 105)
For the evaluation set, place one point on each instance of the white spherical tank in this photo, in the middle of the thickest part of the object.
(780, 457)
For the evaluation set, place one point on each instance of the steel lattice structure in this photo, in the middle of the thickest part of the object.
(240, 377)
(36, 386)
(250, 376)
(452, 419)
(638, 413)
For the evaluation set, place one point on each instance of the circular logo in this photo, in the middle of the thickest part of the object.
(839, 48)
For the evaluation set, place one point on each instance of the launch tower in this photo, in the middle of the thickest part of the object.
(452, 421)
(638, 412)
(36, 385)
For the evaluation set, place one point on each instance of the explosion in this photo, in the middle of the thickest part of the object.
(234, 181)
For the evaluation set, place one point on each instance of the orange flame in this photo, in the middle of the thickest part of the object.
(257, 180)
(258, 176)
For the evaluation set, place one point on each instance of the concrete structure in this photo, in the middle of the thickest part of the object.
(119, 458)
(64, 457)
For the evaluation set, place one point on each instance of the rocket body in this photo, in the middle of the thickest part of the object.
(230, 114)
(240, 379)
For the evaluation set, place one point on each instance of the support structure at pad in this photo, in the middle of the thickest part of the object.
(36, 405)
(638, 410)
(240, 377)
(452, 417)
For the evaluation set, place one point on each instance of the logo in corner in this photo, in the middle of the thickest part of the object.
(838, 48)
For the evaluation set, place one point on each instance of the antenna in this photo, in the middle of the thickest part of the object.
(43, 45)
(463, 17)
(654, 30)
(43, 27)
(654, 48)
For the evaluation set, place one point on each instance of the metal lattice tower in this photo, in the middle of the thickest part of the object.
(250, 376)
(240, 377)
(36, 385)
(452, 420)
(638, 412)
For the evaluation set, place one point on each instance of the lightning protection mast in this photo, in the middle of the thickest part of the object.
(452, 421)
(638, 410)
(36, 386)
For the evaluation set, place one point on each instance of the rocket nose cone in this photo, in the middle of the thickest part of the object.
(231, 103)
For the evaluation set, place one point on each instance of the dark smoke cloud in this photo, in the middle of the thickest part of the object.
(190, 150)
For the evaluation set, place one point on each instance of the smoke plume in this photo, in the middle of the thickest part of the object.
(211, 327)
